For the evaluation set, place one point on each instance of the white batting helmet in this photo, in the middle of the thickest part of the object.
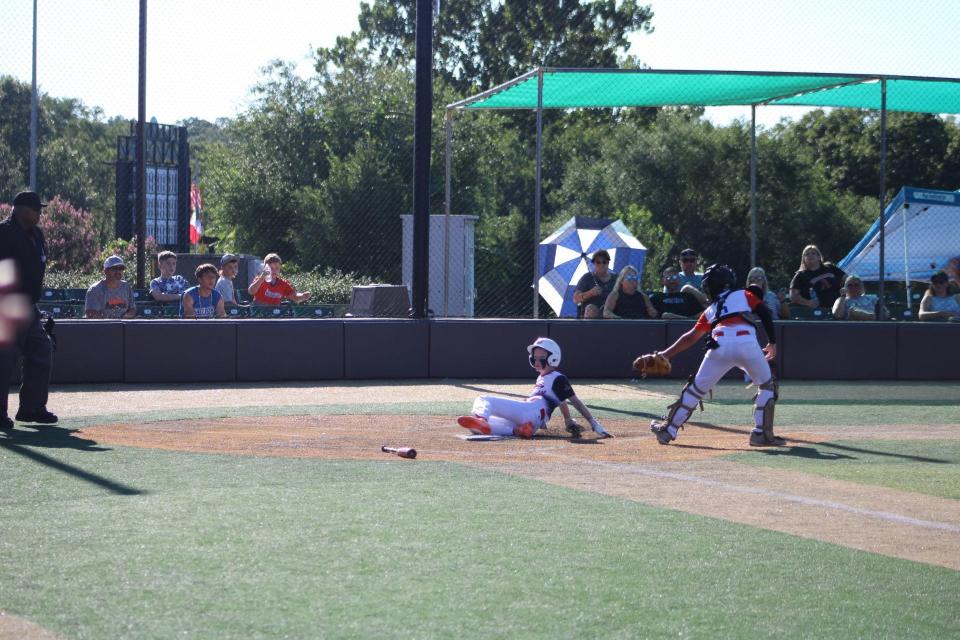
(548, 345)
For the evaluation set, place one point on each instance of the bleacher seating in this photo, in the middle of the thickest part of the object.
(157, 310)
(60, 309)
(51, 295)
(273, 311)
(76, 296)
(314, 311)
(800, 312)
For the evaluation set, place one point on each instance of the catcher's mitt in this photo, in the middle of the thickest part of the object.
(652, 364)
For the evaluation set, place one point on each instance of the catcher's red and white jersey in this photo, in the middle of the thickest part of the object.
(736, 303)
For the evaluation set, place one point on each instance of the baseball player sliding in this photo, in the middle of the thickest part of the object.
(732, 342)
(493, 415)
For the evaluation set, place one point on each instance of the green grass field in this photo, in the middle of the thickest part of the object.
(113, 542)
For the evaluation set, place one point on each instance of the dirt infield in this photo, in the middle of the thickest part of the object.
(15, 628)
(687, 475)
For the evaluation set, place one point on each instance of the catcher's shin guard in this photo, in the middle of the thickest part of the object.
(678, 413)
(764, 404)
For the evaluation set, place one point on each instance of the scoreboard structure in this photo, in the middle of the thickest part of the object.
(168, 185)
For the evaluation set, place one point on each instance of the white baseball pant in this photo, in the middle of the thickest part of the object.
(737, 348)
(503, 414)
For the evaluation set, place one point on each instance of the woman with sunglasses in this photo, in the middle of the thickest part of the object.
(937, 303)
(626, 300)
(816, 283)
(594, 287)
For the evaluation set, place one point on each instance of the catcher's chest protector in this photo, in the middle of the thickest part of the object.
(732, 304)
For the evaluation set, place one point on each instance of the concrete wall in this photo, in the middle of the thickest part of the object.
(370, 348)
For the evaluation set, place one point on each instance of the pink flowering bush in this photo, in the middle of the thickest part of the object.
(71, 240)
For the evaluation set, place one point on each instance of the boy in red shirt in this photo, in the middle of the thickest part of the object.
(269, 288)
(732, 342)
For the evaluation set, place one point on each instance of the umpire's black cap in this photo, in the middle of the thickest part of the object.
(28, 199)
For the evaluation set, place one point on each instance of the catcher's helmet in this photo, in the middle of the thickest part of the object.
(717, 279)
(548, 345)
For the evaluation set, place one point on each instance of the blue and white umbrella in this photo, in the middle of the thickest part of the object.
(565, 257)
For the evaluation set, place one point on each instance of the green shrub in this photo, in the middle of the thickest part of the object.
(329, 286)
(127, 249)
(76, 279)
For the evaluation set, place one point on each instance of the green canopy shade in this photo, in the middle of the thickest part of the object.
(918, 95)
(608, 88)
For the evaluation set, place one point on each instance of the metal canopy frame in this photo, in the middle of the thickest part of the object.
(849, 79)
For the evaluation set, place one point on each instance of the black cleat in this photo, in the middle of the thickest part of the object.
(37, 417)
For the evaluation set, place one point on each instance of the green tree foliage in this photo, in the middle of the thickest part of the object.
(845, 144)
(693, 180)
(76, 147)
(481, 43)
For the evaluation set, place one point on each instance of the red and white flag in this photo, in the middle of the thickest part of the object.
(196, 214)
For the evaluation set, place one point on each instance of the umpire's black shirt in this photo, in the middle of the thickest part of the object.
(29, 251)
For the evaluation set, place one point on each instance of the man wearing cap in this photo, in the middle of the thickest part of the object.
(229, 265)
(688, 269)
(22, 241)
(677, 302)
(112, 297)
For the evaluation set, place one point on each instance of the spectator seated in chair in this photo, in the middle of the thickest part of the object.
(594, 287)
(268, 288)
(816, 283)
(677, 302)
(626, 300)
(229, 265)
(112, 297)
(203, 300)
(854, 304)
(938, 303)
(775, 302)
(688, 269)
(168, 287)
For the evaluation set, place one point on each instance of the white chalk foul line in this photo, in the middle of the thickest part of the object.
(804, 500)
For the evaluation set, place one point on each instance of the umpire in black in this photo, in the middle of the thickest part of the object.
(22, 241)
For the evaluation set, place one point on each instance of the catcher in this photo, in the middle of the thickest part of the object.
(493, 415)
(731, 342)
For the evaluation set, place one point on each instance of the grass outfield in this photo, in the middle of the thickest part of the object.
(208, 546)
(920, 466)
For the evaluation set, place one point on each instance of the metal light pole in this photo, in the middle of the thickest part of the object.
(33, 107)
(141, 208)
(423, 108)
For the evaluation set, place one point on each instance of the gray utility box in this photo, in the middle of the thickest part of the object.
(452, 288)
(187, 263)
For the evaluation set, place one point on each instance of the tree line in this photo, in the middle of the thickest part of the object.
(319, 169)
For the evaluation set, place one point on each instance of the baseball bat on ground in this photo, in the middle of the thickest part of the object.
(403, 452)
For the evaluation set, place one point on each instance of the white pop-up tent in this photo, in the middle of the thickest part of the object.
(922, 233)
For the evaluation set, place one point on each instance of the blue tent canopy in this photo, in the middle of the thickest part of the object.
(922, 233)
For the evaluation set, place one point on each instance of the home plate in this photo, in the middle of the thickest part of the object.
(480, 437)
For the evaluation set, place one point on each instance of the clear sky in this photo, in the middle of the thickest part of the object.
(204, 55)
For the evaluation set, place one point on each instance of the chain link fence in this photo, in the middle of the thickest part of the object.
(311, 156)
